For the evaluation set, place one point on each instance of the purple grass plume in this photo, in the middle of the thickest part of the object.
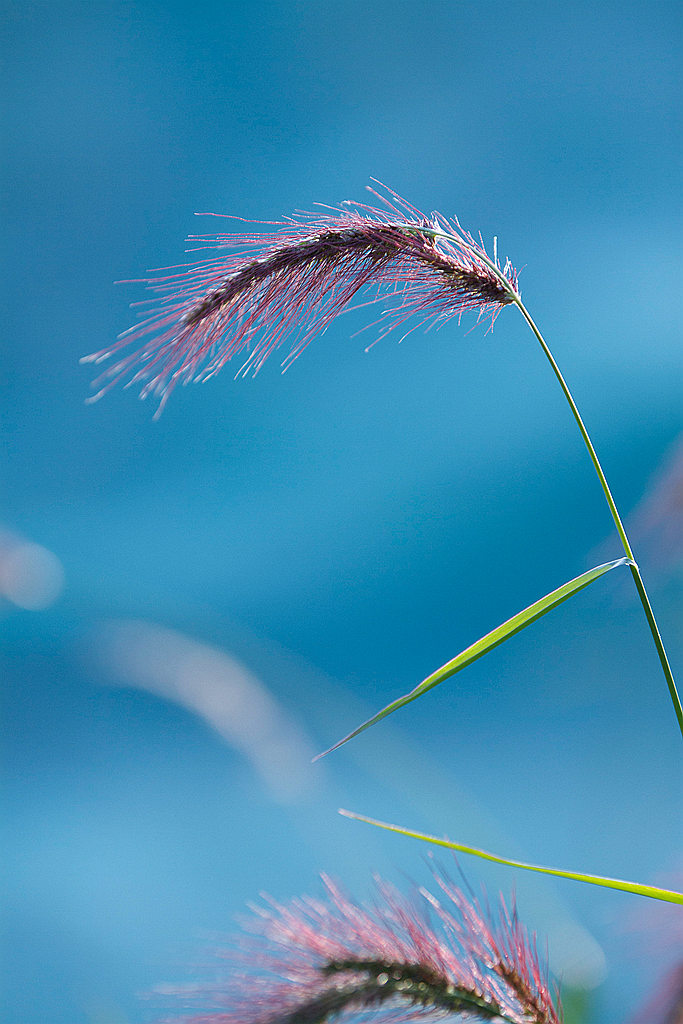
(287, 284)
(665, 1004)
(314, 961)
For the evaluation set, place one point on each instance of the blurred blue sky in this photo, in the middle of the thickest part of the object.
(346, 528)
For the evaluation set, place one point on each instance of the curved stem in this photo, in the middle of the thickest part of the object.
(584, 433)
(635, 571)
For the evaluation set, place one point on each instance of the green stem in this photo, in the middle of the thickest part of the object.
(635, 571)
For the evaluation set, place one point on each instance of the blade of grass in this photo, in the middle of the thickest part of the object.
(487, 643)
(653, 891)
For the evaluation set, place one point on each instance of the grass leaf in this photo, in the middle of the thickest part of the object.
(487, 643)
(655, 893)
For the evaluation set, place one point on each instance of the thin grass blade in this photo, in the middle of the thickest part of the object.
(653, 891)
(487, 643)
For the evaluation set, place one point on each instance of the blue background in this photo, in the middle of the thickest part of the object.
(346, 528)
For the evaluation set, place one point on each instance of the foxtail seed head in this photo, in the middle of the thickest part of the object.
(313, 961)
(286, 285)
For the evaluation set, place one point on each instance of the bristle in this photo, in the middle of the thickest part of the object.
(312, 961)
(288, 284)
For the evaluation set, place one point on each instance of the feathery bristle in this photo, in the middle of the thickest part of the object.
(291, 282)
(311, 961)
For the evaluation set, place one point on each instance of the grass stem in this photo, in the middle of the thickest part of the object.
(633, 565)
(635, 571)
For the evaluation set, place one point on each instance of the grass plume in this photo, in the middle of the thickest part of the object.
(265, 289)
(314, 960)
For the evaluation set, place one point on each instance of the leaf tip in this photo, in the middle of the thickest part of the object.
(324, 753)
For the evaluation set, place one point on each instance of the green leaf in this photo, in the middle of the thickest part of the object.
(610, 883)
(487, 643)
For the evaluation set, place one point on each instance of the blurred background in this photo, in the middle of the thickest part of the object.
(191, 608)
